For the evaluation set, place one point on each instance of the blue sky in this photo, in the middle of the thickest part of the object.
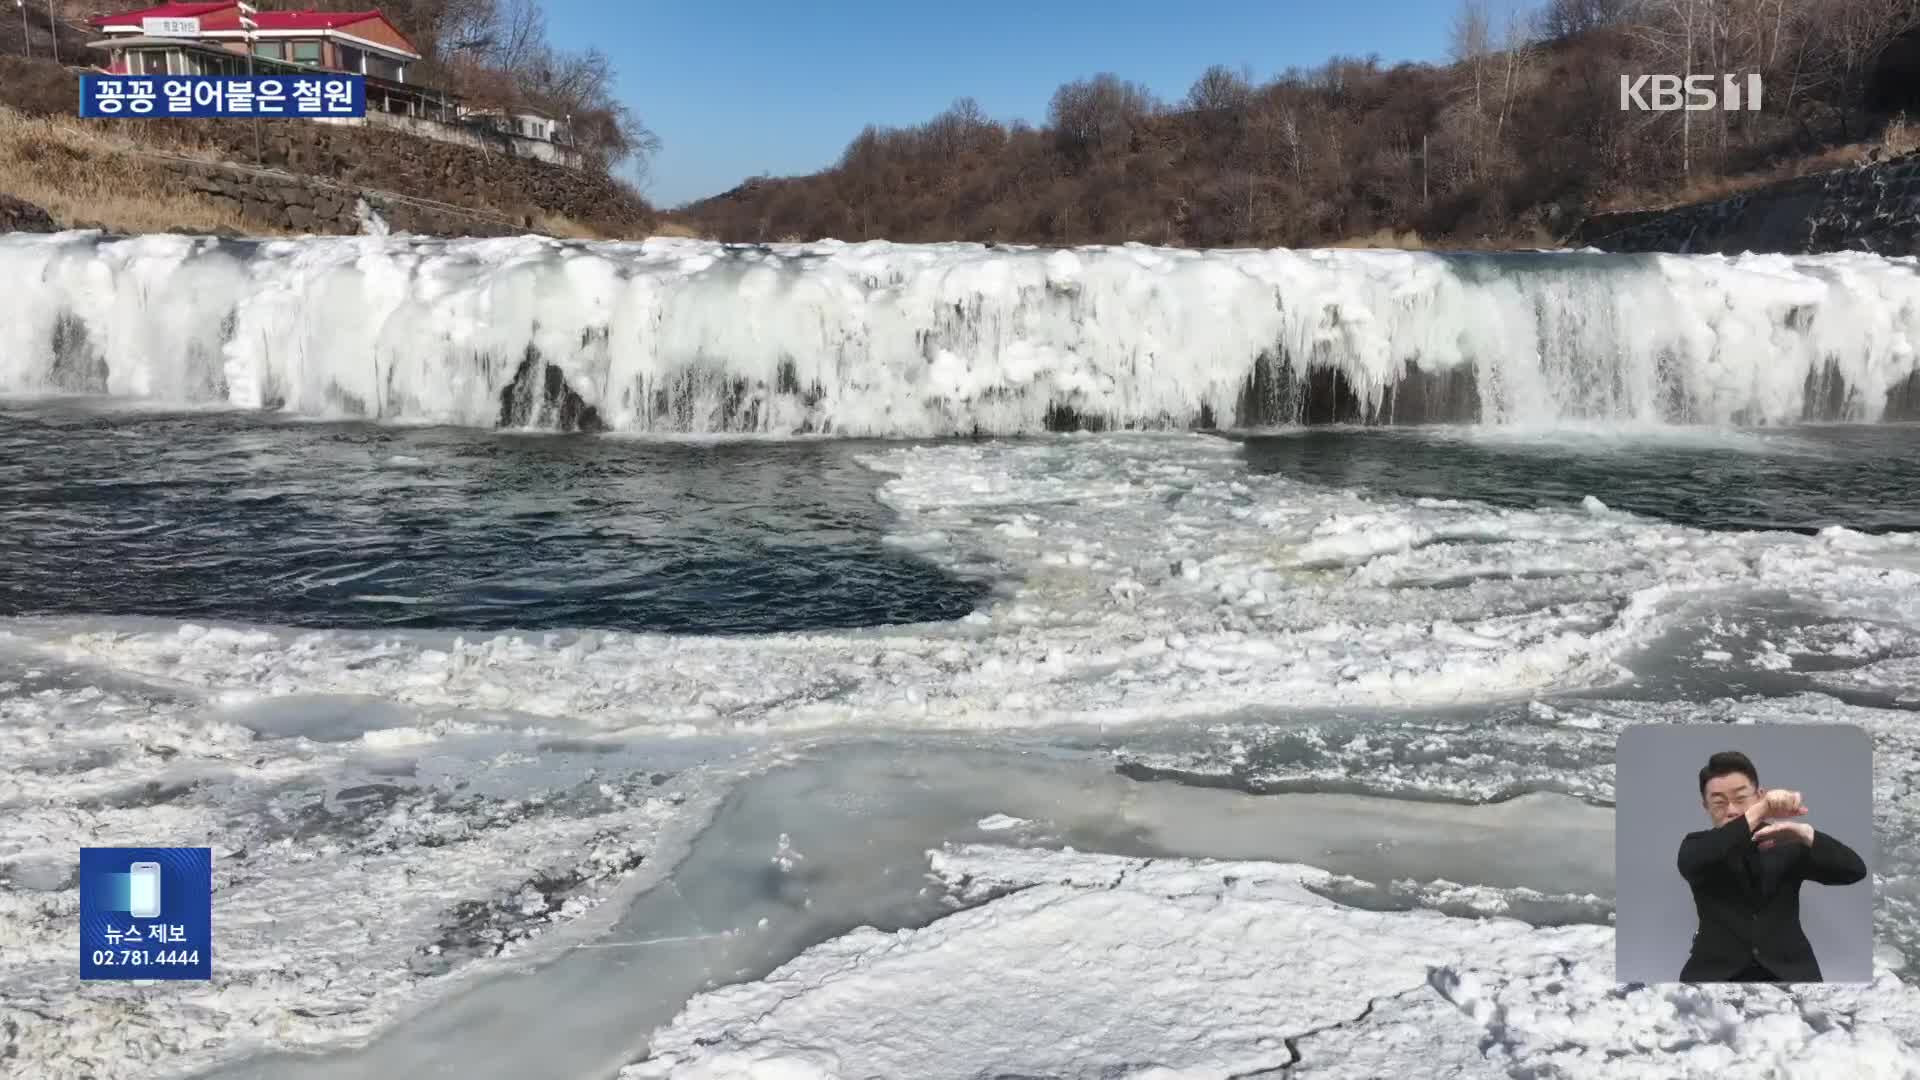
(739, 87)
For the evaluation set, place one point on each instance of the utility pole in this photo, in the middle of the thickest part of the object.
(249, 26)
(26, 45)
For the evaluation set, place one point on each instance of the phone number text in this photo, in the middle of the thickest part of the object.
(143, 957)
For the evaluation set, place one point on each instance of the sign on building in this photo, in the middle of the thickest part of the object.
(170, 27)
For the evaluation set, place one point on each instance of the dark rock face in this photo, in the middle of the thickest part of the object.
(1280, 392)
(1873, 208)
(539, 396)
(77, 367)
(17, 215)
(1903, 401)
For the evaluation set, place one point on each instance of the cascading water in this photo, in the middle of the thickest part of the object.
(907, 340)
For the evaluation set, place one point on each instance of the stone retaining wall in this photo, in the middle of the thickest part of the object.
(1870, 208)
(383, 159)
(282, 201)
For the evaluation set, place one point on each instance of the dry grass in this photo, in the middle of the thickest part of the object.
(680, 229)
(1902, 136)
(564, 227)
(1715, 188)
(1384, 238)
(84, 176)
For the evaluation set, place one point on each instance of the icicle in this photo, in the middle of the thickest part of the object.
(886, 339)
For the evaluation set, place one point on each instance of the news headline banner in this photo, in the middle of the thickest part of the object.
(223, 95)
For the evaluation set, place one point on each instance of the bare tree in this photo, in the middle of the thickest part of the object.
(518, 34)
(1292, 144)
(1845, 38)
(1099, 114)
(962, 130)
(1675, 33)
(1471, 46)
(1221, 91)
(443, 29)
(1517, 54)
(1562, 19)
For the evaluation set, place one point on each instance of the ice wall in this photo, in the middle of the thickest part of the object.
(889, 339)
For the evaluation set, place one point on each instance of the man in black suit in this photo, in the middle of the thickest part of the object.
(1746, 873)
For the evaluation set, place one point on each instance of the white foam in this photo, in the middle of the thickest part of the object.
(334, 882)
(1139, 578)
(1898, 677)
(1144, 578)
(887, 339)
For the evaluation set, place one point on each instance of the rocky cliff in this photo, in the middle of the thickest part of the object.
(17, 215)
(1874, 207)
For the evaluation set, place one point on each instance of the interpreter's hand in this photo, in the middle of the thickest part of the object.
(1782, 803)
(1787, 832)
(1774, 803)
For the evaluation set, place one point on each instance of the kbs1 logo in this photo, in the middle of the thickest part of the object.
(1693, 93)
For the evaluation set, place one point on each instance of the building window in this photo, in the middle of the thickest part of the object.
(382, 68)
(351, 59)
(270, 50)
(152, 63)
(306, 52)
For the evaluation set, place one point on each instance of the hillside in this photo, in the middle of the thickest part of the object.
(146, 175)
(1515, 141)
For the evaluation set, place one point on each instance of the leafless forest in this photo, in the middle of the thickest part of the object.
(1514, 139)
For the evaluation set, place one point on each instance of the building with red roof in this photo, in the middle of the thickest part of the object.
(207, 39)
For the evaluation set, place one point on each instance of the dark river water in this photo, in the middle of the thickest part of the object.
(226, 516)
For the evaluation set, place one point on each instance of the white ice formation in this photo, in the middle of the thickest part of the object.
(1209, 969)
(913, 340)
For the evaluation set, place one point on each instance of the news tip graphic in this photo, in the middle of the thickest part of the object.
(151, 96)
(146, 913)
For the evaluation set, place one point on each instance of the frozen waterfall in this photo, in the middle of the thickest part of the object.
(894, 339)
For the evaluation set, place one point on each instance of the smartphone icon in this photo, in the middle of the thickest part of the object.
(143, 891)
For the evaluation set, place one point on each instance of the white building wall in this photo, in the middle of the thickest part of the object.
(462, 135)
